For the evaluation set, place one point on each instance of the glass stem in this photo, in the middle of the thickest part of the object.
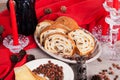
(111, 34)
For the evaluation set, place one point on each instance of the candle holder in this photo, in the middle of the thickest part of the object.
(14, 42)
(110, 47)
(23, 41)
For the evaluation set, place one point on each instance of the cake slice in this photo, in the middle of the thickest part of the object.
(85, 43)
(24, 73)
(42, 25)
(59, 43)
(68, 22)
(56, 28)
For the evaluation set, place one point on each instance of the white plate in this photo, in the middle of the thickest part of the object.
(95, 54)
(67, 70)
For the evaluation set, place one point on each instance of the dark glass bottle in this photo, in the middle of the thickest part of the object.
(81, 68)
(26, 16)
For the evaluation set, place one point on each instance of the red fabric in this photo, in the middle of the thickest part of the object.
(87, 13)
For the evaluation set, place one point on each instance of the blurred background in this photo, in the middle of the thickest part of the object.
(2, 5)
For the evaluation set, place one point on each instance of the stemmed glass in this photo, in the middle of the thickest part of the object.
(109, 42)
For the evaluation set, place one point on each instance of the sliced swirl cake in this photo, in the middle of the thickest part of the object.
(42, 25)
(84, 42)
(59, 43)
(55, 28)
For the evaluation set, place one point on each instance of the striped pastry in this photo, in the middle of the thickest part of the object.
(57, 28)
(68, 22)
(42, 25)
(59, 43)
(85, 43)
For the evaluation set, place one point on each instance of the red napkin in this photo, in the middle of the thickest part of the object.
(87, 13)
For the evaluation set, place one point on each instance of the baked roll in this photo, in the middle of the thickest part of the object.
(84, 42)
(59, 43)
(68, 22)
(42, 25)
(59, 28)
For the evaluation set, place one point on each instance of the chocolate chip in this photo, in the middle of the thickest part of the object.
(48, 11)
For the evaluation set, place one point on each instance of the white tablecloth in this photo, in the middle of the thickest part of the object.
(92, 68)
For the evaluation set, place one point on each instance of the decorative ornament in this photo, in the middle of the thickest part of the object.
(48, 11)
(63, 9)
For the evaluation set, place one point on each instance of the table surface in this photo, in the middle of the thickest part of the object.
(92, 68)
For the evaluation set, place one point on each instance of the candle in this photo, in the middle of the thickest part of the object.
(115, 4)
(13, 23)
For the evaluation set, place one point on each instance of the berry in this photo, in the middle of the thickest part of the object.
(30, 57)
(22, 53)
(14, 58)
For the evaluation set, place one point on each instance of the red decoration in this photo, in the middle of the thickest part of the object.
(115, 4)
(13, 22)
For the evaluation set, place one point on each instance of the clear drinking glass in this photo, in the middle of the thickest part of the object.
(111, 47)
